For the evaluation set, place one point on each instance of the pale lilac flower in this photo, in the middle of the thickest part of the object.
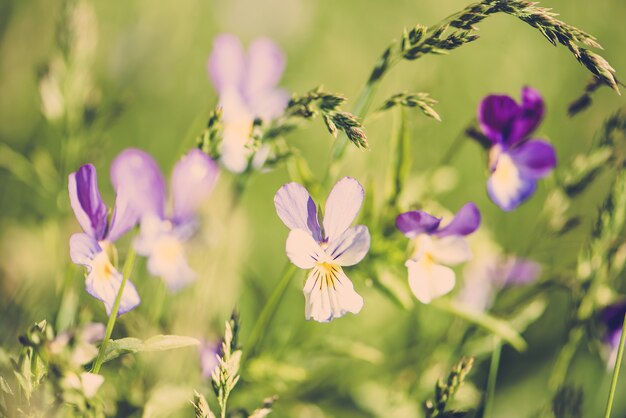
(91, 248)
(436, 248)
(613, 318)
(486, 275)
(327, 248)
(209, 361)
(247, 87)
(515, 161)
(85, 383)
(161, 237)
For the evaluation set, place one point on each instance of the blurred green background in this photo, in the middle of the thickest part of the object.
(146, 64)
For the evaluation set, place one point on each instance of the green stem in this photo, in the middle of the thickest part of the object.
(493, 375)
(269, 310)
(492, 324)
(126, 271)
(618, 364)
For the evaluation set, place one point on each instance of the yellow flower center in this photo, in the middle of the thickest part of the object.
(102, 268)
(168, 250)
(326, 274)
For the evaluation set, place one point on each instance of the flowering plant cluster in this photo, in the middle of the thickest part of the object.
(432, 293)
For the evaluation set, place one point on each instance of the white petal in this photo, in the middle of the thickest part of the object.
(303, 250)
(450, 250)
(330, 294)
(169, 262)
(428, 280)
(350, 247)
(91, 383)
(342, 206)
(150, 229)
(103, 283)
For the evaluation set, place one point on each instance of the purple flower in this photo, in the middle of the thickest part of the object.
(91, 248)
(161, 237)
(515, 161)
(327, 248)
(485, 275)
(246, 84)
(209, 357)
(613, 318)
(435, 246)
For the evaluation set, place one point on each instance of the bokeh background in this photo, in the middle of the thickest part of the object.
(143, 67)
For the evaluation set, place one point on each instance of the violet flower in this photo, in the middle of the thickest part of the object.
(209, 357)
(91, 248)
(326, 248)
(161, 237)
(436, 248)
(246, 85)
(515, 161)
(613, 318)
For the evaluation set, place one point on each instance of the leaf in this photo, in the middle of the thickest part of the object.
(116, 348)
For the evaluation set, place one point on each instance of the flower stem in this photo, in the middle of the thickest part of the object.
(618, 364)
(265, 318)
(126, 271)
(493, 375)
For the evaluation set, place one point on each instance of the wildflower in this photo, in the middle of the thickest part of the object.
(325, 248)
(93, 247)
(435, 248)
(161, 237)
(515, 161)
(78, 345)
(210, 353)
(486, 275)
(246, 84)
(613, 318)
(85, 383)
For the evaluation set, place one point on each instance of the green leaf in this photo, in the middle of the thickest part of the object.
(490, 323)
(116, 348)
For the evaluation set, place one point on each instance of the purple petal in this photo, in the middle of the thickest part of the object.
(534, 159)
(520, 271)
(496, 115)
(125, 215)
(137, 177)
(613, 316)
(193, 180)
(530, 115)
(226, 63)
(416, 222)
(270, 105)
(265, 66)
(90, 210)
(297, 210)
(350, 247)
(208, 358)
(83, 248)
(466, 221)
(342, 206)
(509, 197)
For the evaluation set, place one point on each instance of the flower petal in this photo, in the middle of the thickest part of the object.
(297, 210)
(350, 247)
(342, 206)
(125, 215)
(234, 151)
(103, 283)
(520, 271)
(90, 210)
(270, 105)
(137, 176)
(303, 250)
(167, 261)
(466, 221)
(329, 295)
(416, 222)
(428, 280)
(534, 159)
(530, 115)
(265, 66)
(496, 115)
(226, 63)
(193, 180)
(506, 187)
(450, 250)
(83, 249)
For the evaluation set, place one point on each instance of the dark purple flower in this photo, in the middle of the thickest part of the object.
(437, 247)
(613, 318)
(89, 249)
(161, 237)
(515, 161)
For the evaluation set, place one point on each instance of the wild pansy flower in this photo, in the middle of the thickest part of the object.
(326, 248)
(515, 161)
(93, 247)
(161, 237)
(246, 85)
(436, 248)
(487, 274)
(613, 318)
(209, 357)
